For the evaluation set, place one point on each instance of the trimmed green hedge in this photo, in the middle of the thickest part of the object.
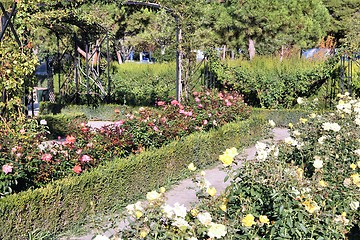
(62, 124)
(67, 202)
(281, 117)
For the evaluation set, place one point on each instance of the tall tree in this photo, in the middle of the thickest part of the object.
(270, 25)
(341, 11)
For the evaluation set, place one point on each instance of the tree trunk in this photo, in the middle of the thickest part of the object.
(118, 54)
(282, 53)
(224, 52)
(251, 48)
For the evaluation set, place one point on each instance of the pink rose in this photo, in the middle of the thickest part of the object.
(7, 168)
(46, 157)
(85, 158)
(119, 123)
(174, 102)
(160, 103)
(77, 169)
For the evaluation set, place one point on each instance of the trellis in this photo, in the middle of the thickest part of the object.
(84, 76)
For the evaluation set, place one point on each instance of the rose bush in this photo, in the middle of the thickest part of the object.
(306, 187)
(29, 159)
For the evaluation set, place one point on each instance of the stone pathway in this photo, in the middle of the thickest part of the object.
(183, 193)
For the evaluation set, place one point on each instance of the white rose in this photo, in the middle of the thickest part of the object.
(204, 218)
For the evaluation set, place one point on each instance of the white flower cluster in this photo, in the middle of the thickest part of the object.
(175, 215)
(263, 150)
(347, 105)
(331, 126)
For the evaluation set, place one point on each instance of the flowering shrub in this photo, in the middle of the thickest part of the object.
(27, 159)
(307, 187)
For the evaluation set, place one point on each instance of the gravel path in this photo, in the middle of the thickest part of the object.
(183, 193)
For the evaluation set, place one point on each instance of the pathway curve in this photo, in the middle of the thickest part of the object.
(183, 193)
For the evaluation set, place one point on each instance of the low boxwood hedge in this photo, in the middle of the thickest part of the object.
(60, 205)
(282, 117)
(62, 124)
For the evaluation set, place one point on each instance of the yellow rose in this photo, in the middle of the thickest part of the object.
(162, 190)
(191, 167)
(194, 212)
(311, 206)
(356, 179)
(248, 220)
(322, 183)
(303, 120)
(211, 191)
(300, 173)
(264, 219)
(143, 233)
(226, 159)
(223, 207)
(232, 152)
(152, 196)
(291, 125)
(353, 166)
(138, 214)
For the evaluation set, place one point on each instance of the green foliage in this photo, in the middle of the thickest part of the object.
(306, 187)
(278, 23)
(108, 112)
(341, 13)
(351, 40)
(281, 117)
(313, 190)
(139, 84)
(269, 83)
(116, 183)
(16, 72)
(61, 125)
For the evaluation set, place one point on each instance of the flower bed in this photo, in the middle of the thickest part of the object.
(28, 162)
(77, 200)
(307, 187)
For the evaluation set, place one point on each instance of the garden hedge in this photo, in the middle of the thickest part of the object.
(64, 203)
(281, 117)
(61, 124)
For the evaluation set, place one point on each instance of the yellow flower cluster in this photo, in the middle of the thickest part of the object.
(249, 220)
(228, 156)
(310, 206)
(356, 179)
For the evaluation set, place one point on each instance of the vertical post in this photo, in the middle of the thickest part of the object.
(87, 72)
(178, 61)
(349, 74)
(58, 61)
(108, 67)
(342, 74)
(76, 71)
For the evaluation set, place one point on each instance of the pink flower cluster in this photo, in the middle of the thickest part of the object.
(46, 157)
(7, 168)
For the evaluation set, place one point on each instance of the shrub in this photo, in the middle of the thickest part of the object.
(86, 148)
(141, 84)
(74, 200)
(307, 187)
(269, 83)
(63, 124)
